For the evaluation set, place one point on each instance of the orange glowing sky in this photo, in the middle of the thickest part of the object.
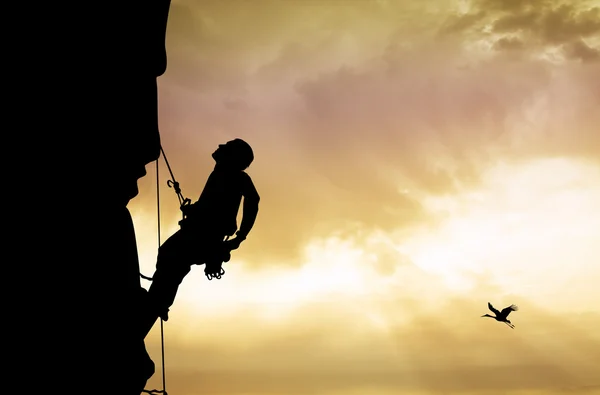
(415, 160)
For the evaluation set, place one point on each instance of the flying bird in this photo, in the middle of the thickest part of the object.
(502, 316)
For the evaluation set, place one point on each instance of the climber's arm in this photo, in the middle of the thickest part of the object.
(250, 208)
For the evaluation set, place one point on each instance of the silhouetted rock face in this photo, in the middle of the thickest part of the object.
(91, 125)
(114, 96)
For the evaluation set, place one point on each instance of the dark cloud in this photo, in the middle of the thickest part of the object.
(581, 51)
(508, 44)
(516, 22)
(537, 24)
(511, 5)
(565, 23)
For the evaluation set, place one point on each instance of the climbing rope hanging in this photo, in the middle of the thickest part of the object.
(174, 184)
(182, 201)
(171, 183)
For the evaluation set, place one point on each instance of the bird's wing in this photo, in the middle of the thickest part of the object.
(493, 309)
(506, 311)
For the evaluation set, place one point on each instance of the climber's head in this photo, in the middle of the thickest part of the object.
(235, 154)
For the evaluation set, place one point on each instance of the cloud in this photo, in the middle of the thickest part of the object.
(463, 22)
(515, 22)
(511, 5)
(200, 55)
(450, 351)
(412, 108)
(582, 51)
(565, 23)
(537, 25)
(508, 44)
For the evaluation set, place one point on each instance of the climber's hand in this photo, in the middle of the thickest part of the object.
(226, 256)
(232, 244)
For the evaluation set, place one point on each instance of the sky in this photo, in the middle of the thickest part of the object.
(415, 161)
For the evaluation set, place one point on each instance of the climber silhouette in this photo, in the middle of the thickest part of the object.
(206, 223)
(88, 115)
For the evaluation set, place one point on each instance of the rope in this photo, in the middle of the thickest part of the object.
(162, 337)
(174, 184)
(171, 184)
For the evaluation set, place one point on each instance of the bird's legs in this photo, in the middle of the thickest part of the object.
(511, 325)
